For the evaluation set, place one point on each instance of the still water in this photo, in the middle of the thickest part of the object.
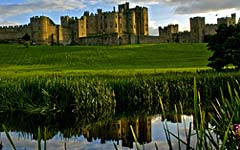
(97, 136)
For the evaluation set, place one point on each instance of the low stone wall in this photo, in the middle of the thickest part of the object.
(115, 39)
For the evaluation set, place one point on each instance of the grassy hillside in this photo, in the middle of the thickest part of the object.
(15, 58)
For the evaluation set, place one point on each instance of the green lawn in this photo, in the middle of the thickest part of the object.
(95, 59)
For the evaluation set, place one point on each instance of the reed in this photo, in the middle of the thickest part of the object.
(216, 133)
(8, 137)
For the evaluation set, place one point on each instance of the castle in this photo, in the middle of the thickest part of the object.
(125, 26)
(106, 28)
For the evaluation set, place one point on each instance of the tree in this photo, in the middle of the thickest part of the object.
(225, 46)
(26, 39)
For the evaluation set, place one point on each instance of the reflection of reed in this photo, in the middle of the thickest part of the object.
(174, 118)
(1, 145)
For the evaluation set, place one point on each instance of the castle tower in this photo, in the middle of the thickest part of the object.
(123, 18)
(110, 22)
(131, 22)
(227, 20)
(82, 28)
(65, 21)
(39, 27)
(197, 25)
(142, 20)
(123, 7)
(99, 21)
(233, 18)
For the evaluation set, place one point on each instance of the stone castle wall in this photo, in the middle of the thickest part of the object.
(13, 32)
(198, 30)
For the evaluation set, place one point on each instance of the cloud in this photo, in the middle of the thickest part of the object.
(205, 6)
(181, 6)
(9, 10)
(153, 27)
(190, 6)
(8, 23)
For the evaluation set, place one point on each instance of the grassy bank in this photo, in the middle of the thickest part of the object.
(103, 59)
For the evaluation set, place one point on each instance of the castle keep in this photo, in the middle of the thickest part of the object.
(125, 26)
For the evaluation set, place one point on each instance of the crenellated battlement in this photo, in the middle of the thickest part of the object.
(13, 28)
(36, 18)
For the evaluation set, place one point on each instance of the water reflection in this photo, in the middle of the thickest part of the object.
(120, 130)
(99, 135)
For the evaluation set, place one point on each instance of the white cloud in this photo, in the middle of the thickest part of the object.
(153, 24)
(8, 23)
(153, 27)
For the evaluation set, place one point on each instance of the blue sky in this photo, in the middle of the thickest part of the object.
(161, 12)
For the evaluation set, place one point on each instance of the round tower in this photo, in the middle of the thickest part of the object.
(44, 29)
(39, 27)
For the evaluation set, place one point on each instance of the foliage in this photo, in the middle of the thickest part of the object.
(225, 47)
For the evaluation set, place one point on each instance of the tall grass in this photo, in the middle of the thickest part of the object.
(80, 94)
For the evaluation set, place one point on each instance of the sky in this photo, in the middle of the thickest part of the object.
(161, 12)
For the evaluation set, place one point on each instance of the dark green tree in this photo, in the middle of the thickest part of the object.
(225, 46)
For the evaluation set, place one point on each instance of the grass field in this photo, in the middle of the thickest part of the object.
(103, 59)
